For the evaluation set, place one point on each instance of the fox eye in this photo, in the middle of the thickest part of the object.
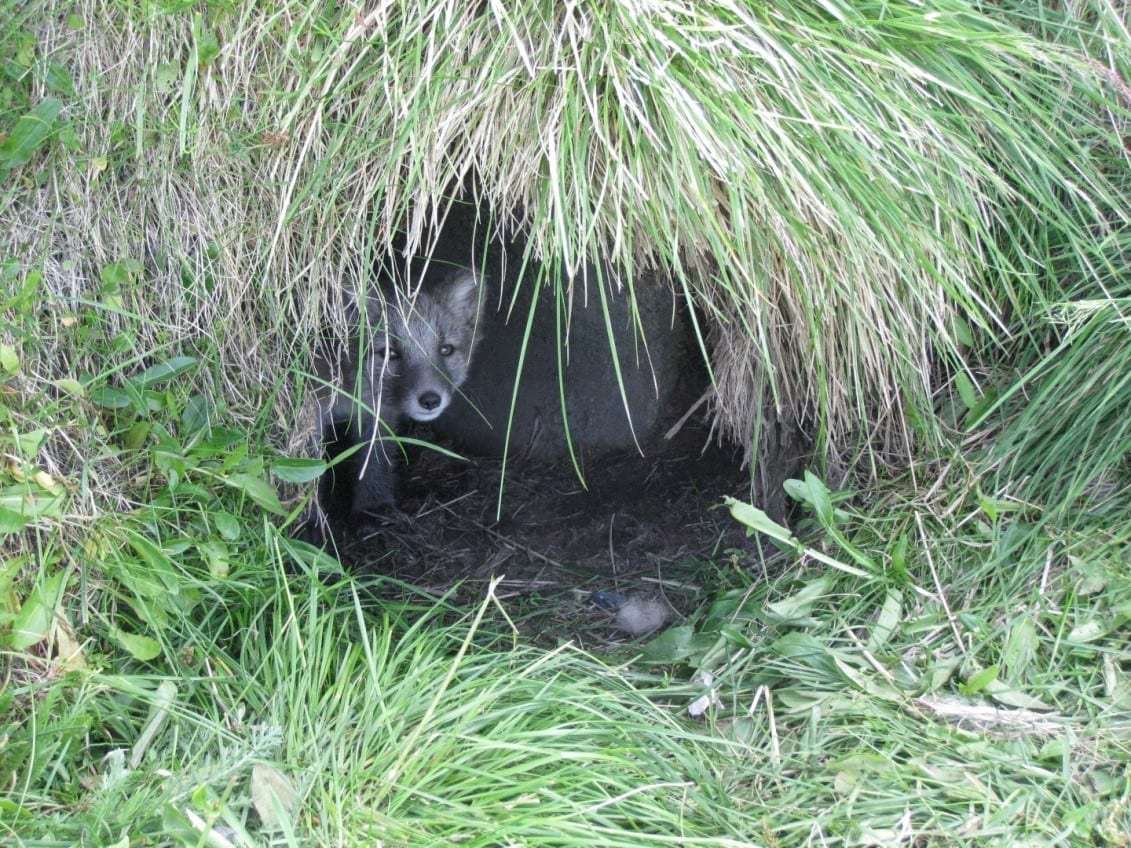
(446, 350)
(388, 353)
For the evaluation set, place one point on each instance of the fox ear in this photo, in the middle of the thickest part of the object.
(349, 297)
(370, 304)
(462, 295)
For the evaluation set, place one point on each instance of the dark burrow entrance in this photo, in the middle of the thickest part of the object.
(559, 359)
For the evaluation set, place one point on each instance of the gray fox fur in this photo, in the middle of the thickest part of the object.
(403, 363)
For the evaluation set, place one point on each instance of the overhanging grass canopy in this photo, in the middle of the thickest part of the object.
(851, 194)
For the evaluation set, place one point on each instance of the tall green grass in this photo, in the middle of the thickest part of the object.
(314, 717)
(847, 190)
(922, 671)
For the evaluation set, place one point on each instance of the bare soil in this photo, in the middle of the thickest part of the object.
(649, 526)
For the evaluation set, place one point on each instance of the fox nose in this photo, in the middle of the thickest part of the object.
(429, 400)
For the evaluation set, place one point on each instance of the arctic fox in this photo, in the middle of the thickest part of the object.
(402, 364)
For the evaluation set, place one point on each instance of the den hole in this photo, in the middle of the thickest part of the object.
(641, 524)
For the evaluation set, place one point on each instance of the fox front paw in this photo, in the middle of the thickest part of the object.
(364, 524)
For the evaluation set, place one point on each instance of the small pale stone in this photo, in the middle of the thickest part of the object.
(641, 614)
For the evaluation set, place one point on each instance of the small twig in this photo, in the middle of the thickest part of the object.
(447, 505)
(673, 584)
(677, 426)
(612, 555)
(938, 583)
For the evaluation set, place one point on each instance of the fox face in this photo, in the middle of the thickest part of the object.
(413, 354)
(426, 350)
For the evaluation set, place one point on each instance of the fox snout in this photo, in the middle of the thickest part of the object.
(426, 405)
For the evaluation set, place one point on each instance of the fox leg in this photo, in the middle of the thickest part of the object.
(374, 489)
(374, 475)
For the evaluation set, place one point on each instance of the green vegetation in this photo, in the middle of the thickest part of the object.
(905, 228)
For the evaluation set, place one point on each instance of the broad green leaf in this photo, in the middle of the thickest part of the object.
(298, 470)
(258, 489)
(1088, 631)
(223, 441)
(30, 442)
(979, 680)
(69, 650)
(218, 557)
(153, 611)
(46, 481)
(1093, 580)
(207, 48)
(807, 650)
(9, 359)
(736, 637)
(12, 521)
(166, 370)
(30, 132)
(197, 413)
(9, 571)
(70, 386)
(139, 647)
(236, 457)
(899, 557)
(940, 673)
(966, 390)
(167, 77)
(58, 78)
(30, 503)
(158, 579)
(961, 330)
(1020, 646)
(865, 680)
(184, 829)
(114, 275)
(800, 604)
(36, 615)
(813, 491)
(798, 490)
(726, 607)
(819, 492)
(175, 547)
(676, 644)
(109, 398)
(1011, 697)
(756, 519)
(888, 619)
(135, 436)
(227, 525)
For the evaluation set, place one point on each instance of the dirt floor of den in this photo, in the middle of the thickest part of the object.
(642, 526)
